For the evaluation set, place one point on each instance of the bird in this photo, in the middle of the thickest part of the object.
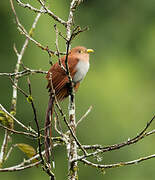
(78, 65)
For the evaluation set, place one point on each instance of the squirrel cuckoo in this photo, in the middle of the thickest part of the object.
(78, 63)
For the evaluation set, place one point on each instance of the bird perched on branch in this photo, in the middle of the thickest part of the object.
(58, 81)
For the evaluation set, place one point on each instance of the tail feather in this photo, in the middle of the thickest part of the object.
(48, 131)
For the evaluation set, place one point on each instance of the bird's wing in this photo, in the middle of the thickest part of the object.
(59, 77)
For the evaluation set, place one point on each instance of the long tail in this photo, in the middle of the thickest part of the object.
(48, 131)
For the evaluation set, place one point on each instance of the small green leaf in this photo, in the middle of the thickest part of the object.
(28, 150)
(29, 99)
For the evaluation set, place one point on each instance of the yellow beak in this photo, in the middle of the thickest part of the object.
(90, 50)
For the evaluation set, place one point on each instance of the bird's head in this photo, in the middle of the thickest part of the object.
(81, 52)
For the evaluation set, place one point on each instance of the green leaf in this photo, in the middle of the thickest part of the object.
(27, 149)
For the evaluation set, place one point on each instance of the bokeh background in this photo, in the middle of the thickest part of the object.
(120, 84)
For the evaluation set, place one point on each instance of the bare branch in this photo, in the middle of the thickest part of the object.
(28, 35)
(84, 116)
(118, 146)
(12, 169)
(14, 97)
(140, 136)
(44, 11)
(56, 121)
(46, 167)
(24, 73)
(120, 164)
(57, 48)
(21, 124)
(22, 166)
(101, 149)
(18, 132)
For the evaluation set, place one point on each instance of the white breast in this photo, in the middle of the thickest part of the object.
(82, 69)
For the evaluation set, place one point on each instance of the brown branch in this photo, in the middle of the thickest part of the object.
(101, 149)
(117, 146)
(18, 132)
(69, 127)
(140, 136)
(30, 100)
(57, 48)
(46, 168)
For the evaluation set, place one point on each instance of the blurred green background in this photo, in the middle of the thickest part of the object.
(120, 84)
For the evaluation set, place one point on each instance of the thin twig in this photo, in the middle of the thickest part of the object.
(68, 125)
(13, 169)
(57, 48)
(14, 96)
(84, 116)
(46, 168)
(101, 149)
(117, 146)
(28, 35)
(140, 136)
(50, 13)
(18, 132)
(24, 73)
(21, 124)
(120, 164)
(36, 120)
(9, 152)
(22, 166)
(56, 121)
(44, 11)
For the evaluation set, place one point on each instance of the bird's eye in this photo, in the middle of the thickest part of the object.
(79, 51)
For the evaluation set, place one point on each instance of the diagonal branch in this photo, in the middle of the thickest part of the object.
(101, 149)
(10, 115)
(84, 116)
(18, 132)
(45, 10)
(140, 136)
